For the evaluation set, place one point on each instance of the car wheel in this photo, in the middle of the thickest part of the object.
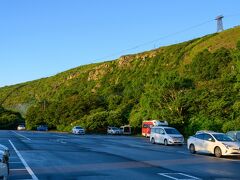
(153, 141)
(165, 142)
(217, 152)
(192, 149)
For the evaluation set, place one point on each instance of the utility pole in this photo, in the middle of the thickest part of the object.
(219, 23)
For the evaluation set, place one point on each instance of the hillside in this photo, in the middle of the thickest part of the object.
(193, 85)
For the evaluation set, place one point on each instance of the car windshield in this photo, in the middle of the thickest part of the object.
(171, 131)
(78, 127)
(223, 137)
(114, 128)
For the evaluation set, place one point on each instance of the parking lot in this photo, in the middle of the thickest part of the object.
(44, 155)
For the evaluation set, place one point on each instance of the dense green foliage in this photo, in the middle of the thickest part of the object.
(193, 85)
(9, 119)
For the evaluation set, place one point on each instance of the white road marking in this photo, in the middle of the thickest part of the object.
(192, 177)
(21, 135)
(165, 175)
(170, 176)
(15, 162)
(34, 177)
(18, 169)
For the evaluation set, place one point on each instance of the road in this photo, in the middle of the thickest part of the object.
(45, 155)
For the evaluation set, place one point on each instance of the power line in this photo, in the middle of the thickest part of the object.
(163, 37)
(232, 15)
(155, 40)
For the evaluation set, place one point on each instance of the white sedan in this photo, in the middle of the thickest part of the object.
(21, 127)
(5, 150)
(113, 130)
(4, 165)
(215, 143)
(3, 170)
(78, 130)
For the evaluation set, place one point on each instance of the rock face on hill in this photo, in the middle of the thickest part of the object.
(193, 85)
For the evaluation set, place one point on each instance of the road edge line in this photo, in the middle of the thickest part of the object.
(21, 135)
(34, 177)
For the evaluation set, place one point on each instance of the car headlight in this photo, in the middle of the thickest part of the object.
(226, 145)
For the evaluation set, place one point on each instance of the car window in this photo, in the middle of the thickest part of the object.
(153, 130)
(223, 137)
(199, 136)
(162, 131)
(208, 137)
(230, 134)
(157, 130)
(171, 131)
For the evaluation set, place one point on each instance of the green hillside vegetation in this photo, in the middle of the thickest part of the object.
(193, 85)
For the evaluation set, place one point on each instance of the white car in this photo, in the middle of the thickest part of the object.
(78, 130)
(113, 130)
(234, 135)
(5, 150)
(166, 135)
(4, 165)
(215, 143)
(21, 127)
(3, 171)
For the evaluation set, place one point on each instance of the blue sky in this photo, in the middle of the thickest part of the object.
(42, 38)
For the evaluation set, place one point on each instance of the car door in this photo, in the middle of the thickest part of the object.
(157, 135)
(208, 143)
(161, 135)
(198, 142)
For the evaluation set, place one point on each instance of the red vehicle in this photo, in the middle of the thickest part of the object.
(146, 126)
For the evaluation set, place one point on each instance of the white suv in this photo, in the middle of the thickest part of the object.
(215, 143)
(166, 135)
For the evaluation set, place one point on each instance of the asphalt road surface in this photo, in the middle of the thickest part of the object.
(44, 155)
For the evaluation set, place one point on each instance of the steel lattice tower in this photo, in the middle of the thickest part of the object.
(219, 23)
